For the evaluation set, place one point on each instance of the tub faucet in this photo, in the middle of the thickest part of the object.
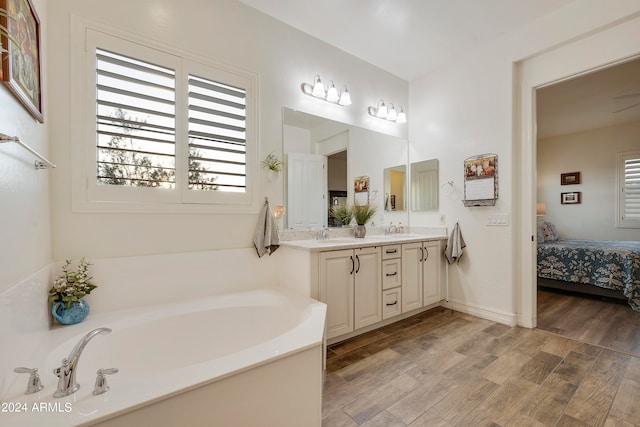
(67, 372)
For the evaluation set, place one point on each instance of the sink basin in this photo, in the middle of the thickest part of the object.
(335, 241)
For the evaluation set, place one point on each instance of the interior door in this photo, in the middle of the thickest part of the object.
(307, 191)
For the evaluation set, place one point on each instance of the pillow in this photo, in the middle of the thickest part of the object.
(550, 232)
(540, 231)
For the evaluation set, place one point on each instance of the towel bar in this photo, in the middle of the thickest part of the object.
(43, 163)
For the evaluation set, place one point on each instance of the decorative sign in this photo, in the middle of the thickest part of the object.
(481, 180)
(361, 190)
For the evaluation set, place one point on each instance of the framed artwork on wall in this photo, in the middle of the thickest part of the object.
(21, 64)
(570, 178)
(571, 198)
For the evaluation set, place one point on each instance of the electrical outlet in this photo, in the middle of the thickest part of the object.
(498, 220)
(442, 219)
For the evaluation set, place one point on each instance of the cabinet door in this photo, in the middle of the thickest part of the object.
(336, 278)
(368, 287)
(432, 291)
(412, 256)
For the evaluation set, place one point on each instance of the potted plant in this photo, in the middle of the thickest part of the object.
(68, 291)
(273, 163)
(362, 214)
(342, 213)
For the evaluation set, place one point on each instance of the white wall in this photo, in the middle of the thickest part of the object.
(224, 31)
(471, 106)
(24, 196)
(594, 154)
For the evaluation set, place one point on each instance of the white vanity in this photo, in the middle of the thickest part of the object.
(367, 282)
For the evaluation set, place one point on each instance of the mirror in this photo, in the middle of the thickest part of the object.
(313, 145)
(394, 188)
(424, 185)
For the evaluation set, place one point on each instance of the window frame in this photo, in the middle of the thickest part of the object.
(621, 221)
(87, 194)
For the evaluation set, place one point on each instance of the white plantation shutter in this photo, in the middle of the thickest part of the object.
(632, 189)
(217, 136)
(629, 195)
(135, 122)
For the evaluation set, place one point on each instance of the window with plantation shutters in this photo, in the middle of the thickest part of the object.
(629, 191)
(166, 130)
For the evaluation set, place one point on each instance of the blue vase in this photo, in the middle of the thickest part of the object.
(76, 312)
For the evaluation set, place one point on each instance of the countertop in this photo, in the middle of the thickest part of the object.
(335, 243)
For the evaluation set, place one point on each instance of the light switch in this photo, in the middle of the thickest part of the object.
(498, 220)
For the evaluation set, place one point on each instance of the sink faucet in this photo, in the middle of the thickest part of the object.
(390, 230)
(67, 372)
(324, 234)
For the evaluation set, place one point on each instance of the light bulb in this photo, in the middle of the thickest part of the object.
(345, 98)
(318, 88)
(392, 114)
(332, 93)
(402, 117)
(382, 110)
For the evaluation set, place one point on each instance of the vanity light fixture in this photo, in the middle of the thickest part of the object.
(389, 113)
(317, 90)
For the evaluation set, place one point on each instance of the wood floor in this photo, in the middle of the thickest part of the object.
(444, 368)
(594, 320)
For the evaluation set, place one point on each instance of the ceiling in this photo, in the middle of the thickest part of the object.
(603, 98)
(407, 38)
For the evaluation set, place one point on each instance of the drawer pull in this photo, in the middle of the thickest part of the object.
(391, 251)
(392, 303)
(392, 274)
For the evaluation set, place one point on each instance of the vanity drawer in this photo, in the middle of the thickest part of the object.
(391, 273)
(391, 303)
(391, 251)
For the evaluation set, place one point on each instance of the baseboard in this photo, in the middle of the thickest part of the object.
(509, 319)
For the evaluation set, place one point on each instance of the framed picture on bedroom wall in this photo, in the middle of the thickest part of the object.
(570, 178)
(571, 198)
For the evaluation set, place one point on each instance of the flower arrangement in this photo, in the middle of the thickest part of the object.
(72, 285)
(363, 213)
(342, 213)
(272, 162)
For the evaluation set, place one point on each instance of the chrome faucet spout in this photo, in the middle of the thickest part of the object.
(67, 371)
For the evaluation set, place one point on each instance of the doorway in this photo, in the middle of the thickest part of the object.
(597, 51)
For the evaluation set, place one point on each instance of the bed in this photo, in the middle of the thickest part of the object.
(602, 267)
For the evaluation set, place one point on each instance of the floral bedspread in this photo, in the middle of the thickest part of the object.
(608, 264)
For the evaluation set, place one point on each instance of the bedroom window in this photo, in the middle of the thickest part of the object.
(629, 190)
(165, 130)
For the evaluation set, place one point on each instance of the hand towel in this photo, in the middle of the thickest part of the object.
(455, 245)
(266, 239)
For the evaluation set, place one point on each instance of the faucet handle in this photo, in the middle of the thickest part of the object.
(34, 385)
(101, 380)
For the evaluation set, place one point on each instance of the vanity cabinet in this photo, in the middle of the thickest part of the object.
(420, 274)
(366, 283)
(350, 284)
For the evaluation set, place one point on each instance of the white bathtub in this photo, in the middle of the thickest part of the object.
(246, 359)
